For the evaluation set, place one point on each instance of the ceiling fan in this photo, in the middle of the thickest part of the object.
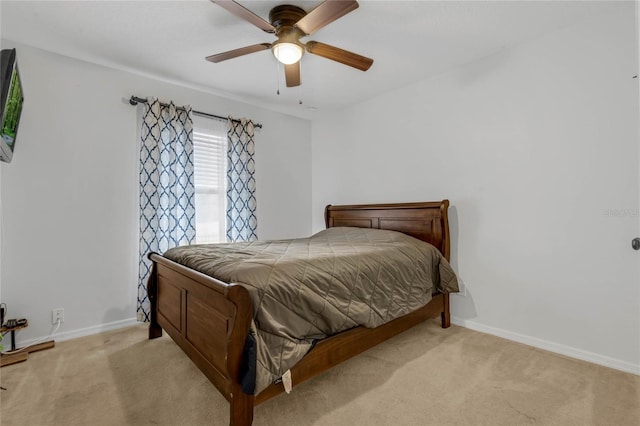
(291, 23)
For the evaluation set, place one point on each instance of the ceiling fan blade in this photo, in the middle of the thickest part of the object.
(339, 55)
(219, 57)
(325, 14)
(244, 13)
(292, 74)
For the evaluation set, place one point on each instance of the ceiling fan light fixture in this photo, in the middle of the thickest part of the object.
(287, 53)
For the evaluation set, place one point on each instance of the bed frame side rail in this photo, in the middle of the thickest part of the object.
(336, 349)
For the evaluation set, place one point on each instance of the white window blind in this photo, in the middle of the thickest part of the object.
(210, 170)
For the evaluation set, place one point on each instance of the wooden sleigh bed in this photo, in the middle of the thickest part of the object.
(210, 319)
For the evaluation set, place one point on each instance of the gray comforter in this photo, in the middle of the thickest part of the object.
(310, 288)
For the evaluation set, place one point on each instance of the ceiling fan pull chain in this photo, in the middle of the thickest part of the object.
(300, 86)
(278, 77)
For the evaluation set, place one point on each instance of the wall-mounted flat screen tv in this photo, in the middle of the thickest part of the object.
(11, 101)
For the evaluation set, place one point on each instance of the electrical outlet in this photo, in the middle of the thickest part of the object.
(57, 315)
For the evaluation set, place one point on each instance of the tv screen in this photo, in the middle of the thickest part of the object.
(11, 102)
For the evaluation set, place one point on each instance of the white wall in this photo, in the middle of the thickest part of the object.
(533, 146)
(69, 197)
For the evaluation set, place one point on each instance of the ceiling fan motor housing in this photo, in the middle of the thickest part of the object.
(284, 18)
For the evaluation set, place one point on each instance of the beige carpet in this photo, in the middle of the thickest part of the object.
(426, 376)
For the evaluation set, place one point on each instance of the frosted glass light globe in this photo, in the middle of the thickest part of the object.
(287, 53)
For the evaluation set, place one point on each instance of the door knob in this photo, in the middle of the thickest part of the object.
(635, 243)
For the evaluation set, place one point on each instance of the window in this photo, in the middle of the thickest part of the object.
(210, 170)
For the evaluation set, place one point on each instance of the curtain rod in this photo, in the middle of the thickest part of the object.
(134, 100)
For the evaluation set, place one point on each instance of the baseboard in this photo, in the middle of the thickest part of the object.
(569, 351)
(472, 325)
(82, 332)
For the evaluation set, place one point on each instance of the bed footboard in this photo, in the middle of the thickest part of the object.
(209, 320)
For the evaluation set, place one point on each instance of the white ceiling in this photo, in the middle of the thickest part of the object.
(409, 41)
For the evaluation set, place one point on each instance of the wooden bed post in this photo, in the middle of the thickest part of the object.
(445, 247)
(152, 290)
(446, 251)
(241, 404)
(445, 316)
(241, 408)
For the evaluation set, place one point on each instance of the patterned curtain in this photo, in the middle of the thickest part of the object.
(242, 223)
(167, 212)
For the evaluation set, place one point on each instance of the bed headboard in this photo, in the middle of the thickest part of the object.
(426, 221)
